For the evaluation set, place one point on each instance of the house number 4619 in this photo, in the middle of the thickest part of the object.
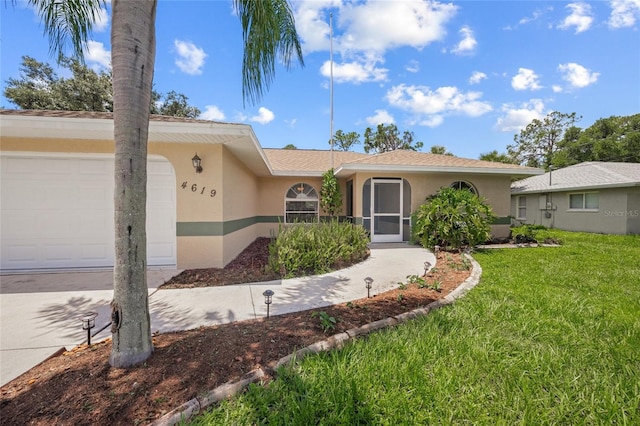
(202, 191)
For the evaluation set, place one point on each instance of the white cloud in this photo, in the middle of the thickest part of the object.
(556, 88)
(577, 75)
(516, 118)
(381, 25)
(624, 13)
(372, 26)
(477, 77)
(102, 21)
(429, 104)
(412, 66)
(468, 43)
(432, 121)
(534, 17)
(581, 17)
(264, 116)
(190, 58)
(213, 113)
(381, 116)
(94, 52)
(354, 72)
(525, 79)
(291, 123)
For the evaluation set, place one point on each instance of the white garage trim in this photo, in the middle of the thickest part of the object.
(56, 211)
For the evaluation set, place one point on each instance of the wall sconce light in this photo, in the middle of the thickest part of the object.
(368, 281)
(197, 163)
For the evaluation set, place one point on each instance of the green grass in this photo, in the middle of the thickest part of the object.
(550, 336)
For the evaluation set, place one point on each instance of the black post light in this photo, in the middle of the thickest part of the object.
(368, 282)
(427, 265)
(89, 322)
(197, 163)
(268, 294)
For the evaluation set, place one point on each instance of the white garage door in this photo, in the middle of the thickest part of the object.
(57, 212)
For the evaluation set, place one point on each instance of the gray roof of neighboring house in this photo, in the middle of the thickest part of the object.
(588, 175)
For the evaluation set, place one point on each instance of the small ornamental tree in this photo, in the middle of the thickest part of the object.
(330, 196)
(452, 218)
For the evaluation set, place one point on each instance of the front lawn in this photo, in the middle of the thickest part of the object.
(550, 336)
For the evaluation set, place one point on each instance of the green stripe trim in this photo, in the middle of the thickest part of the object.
(502, 221)
(218, 229)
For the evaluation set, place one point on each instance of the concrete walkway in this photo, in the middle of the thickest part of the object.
(40, 313)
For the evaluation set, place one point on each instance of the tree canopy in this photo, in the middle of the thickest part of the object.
(440, 150)
(537, 143)
(607, 139)
(556, 141)
(40, 87)
(387, 138)
(497, 157)
(344, 141)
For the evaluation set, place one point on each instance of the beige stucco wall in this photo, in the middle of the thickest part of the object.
(618, 212)
(496, 189)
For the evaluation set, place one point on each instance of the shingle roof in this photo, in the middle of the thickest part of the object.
(414, 158)
(285, 162)
(588, 175)
(98, 115)
(307, 160)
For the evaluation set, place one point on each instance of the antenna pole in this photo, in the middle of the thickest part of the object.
(331, 83)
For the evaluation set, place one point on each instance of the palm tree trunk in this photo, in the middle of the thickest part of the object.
(132, 57)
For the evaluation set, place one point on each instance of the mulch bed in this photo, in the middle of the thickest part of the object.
(80, 388)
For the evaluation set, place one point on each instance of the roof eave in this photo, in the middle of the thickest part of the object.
(576, 188)
(347, 169)
(238, 138)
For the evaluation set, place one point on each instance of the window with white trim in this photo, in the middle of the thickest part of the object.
(301, 204)
(522, 207)
(460, 184)
(584, 201)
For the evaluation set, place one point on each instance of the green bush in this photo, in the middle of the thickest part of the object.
(316, 248)
(534, 234)
(452, 218)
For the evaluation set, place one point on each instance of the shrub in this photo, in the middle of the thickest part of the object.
(330, 196)
(452, 218)
(316, 248)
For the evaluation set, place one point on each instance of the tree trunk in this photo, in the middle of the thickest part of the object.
(132, 57)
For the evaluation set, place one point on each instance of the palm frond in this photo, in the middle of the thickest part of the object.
(68, 21)
(269, 32)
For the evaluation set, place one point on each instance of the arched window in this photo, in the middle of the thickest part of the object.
(460, 184)
(301, 204)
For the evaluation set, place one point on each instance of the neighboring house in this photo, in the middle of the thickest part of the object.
(592, 197)
(57, 189)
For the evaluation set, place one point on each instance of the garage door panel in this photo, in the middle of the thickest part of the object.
(101, 252)
(20, 253)
(58, 212)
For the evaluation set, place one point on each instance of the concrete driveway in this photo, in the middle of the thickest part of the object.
(40, 313)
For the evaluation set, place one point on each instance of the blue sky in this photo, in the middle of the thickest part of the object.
(467, 75)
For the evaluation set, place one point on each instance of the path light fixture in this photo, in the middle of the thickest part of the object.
(436, 249)
(268, 294)
(427, 265)
(197, 163)
(88, 322)
(368, 282)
